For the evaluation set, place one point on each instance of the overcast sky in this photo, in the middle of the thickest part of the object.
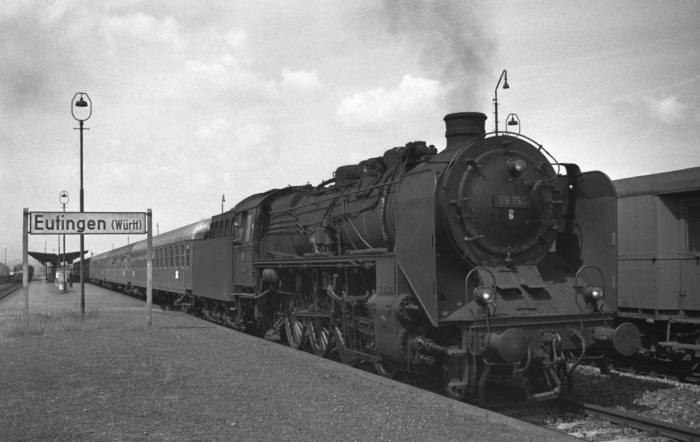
(195, 100)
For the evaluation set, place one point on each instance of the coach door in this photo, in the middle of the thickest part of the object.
(243, 249)
(690, 254)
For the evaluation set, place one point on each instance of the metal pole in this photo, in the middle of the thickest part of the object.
(495, 96)
(495, 105)
(88, 105)
(65, 287)
(149, 270)
(82, 237)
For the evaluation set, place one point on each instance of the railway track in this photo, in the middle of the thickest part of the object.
(684, 371)
(7, 289)
(629, 420)
(620, 425)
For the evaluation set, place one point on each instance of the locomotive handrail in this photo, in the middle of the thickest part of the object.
(316, 202)
(534, 143)
(466, 289)
(576, 285)
(354, 228)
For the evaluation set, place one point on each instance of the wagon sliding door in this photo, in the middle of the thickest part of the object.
(690, 254)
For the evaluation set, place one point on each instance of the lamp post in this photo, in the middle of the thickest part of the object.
(84, 112)
(495, 95)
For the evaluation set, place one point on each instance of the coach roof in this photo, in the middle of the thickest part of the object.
(684, 180)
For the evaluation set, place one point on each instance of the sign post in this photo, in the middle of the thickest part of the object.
(25, 263)
(149, 270)
(63, 199)
(81, 223)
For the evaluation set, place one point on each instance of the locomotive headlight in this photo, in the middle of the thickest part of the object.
(593, 293)
(516, 166)
(484, 295)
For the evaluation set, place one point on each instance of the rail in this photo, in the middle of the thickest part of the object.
(8, 289)
(659, 428)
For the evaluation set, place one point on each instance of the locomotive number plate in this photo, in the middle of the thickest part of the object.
(511, 201)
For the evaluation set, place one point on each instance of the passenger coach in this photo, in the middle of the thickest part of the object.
(124, 268)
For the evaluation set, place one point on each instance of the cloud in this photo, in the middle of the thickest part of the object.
(212, 129)
(380, 106)
(235, 37)
(300, 80)
(256, 141)
(216, 79)
(667, 109)
(143, 27)
(253, 135)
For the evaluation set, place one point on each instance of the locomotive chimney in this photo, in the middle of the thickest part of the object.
(462, 127)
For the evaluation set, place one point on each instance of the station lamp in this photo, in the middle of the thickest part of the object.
(81, 111)
(504, 76)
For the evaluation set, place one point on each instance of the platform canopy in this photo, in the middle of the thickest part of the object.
(56, 258)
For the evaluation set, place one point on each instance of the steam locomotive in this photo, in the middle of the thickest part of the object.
(488, 259)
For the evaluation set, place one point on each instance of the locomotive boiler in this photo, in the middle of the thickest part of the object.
(486, 259)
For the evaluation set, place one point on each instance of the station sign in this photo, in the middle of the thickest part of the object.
(76, 223)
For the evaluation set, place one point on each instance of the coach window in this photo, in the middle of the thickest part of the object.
(692, 219)
(187, 256)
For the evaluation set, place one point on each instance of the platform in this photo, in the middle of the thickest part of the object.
(46, 298)
(186, 379)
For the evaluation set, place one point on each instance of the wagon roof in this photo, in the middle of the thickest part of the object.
(684, 180)
(114, 252)
(187, 233)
